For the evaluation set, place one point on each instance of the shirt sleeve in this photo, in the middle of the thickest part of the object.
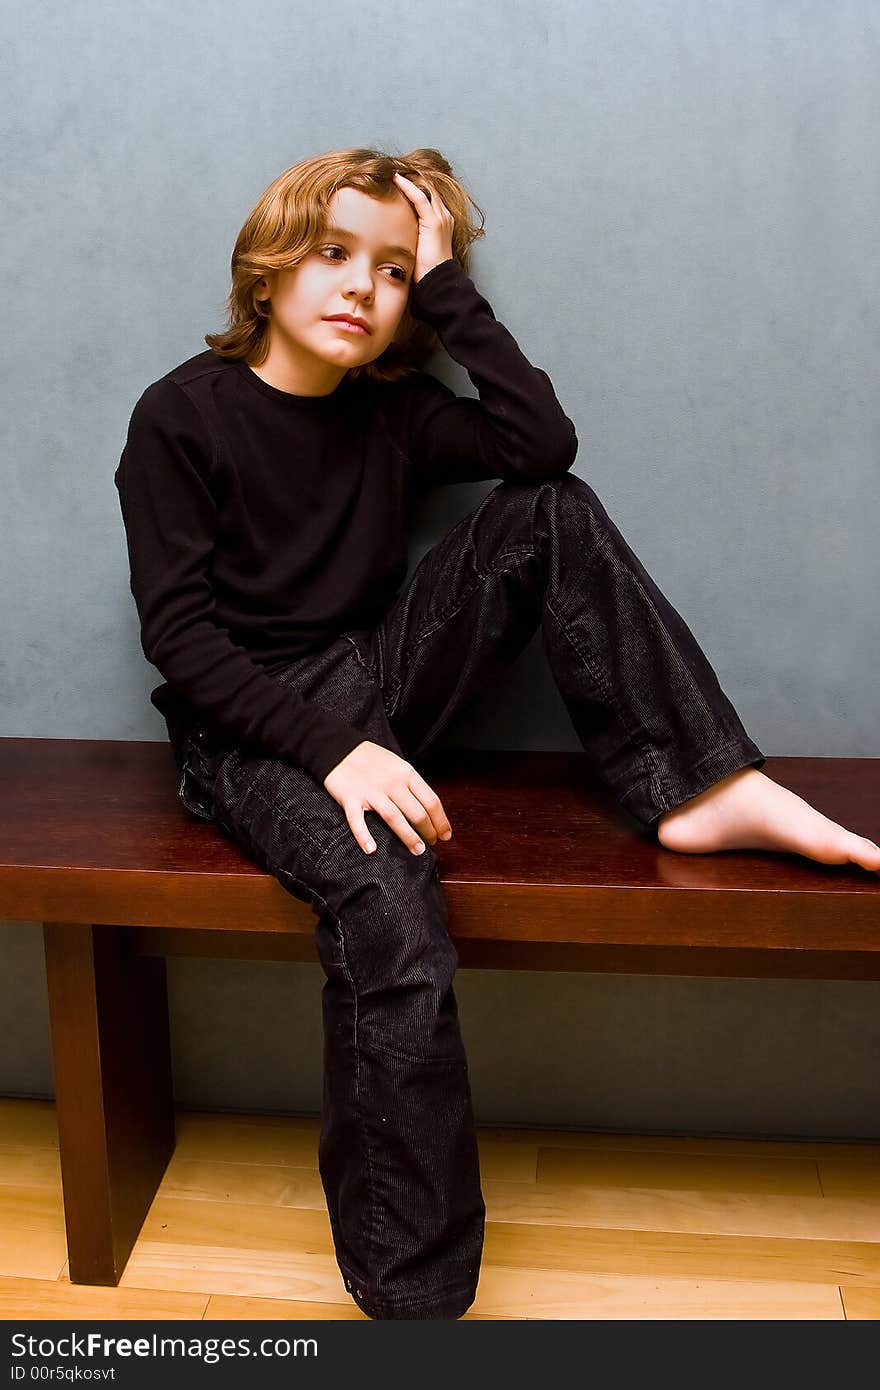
(516, 430)
(164, 485)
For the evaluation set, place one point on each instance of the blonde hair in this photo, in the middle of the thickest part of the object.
(290, 217)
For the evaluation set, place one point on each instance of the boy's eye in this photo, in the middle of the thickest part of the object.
(399, 272)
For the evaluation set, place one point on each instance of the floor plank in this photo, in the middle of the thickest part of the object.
(33, 1243)
(860, 1305)
(45, 1298)
(676, 1172)
(540, 1293)
(697, 1212)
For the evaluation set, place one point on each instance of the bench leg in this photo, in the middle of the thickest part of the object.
(108, 1010)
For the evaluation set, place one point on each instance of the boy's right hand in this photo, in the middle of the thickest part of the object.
(371, 777)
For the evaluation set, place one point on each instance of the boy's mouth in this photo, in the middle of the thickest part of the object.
(349, 321)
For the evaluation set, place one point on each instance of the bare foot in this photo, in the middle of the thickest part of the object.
(747, 810)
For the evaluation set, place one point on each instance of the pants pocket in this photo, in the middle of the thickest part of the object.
(202, 761)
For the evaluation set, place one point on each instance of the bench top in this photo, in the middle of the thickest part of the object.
(92, 831)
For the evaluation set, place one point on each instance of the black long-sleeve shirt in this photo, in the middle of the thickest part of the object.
(261, 524)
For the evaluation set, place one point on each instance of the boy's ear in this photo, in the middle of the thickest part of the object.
(263, 289)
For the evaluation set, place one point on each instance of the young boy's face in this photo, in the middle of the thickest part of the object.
(362, 266)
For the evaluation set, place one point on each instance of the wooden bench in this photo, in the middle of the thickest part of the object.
(544, 872)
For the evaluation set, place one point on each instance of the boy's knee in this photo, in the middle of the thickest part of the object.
(391, 910)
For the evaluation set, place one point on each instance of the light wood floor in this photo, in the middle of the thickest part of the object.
(580, 1226)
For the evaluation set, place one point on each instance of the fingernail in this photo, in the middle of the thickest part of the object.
(447, 835)
(370, 846)
(419, 847)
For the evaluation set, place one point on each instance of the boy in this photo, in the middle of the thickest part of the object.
(264, 487)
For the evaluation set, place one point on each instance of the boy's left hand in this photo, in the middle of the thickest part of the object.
(436, 225)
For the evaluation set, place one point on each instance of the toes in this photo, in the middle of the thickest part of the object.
(867, 854)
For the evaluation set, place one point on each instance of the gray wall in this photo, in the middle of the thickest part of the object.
(682, 204)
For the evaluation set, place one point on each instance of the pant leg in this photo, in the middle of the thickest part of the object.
(398, 1154)
(642, 696)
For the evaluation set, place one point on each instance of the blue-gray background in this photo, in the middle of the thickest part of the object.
(682, 204)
